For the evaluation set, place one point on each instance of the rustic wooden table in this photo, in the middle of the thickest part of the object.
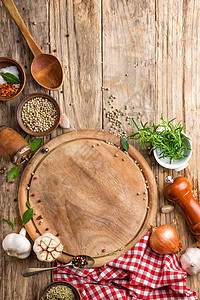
(145, 52)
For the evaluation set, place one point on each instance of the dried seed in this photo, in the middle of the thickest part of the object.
(138, 193)
(93, 146)
(116, 155)
(165, 209)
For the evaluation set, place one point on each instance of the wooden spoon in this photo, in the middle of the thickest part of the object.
(46, 68)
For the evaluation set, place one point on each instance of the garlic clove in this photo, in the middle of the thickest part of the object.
(50, 258)
(38, 249)
(43, 245)
(43, 255)
(53, 243)
(59, 248)
(46, 240)
(64, 122)
(55, 254)
(50, 249)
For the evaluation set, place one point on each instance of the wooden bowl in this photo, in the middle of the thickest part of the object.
(76, 292)
(26, 129)
(7, 62)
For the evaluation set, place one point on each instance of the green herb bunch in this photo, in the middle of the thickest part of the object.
(169, 139)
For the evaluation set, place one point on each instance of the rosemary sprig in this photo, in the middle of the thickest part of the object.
(169, 140)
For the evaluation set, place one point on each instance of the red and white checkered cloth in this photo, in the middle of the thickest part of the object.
(140, 273)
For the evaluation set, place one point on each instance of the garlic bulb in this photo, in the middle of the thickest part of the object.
(190, 261)
(17, 244)
(47, 247)
(64, 122)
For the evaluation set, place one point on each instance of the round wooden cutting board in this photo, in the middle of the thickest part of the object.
(98, 199)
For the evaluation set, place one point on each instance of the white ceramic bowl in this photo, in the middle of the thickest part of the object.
(176, 164)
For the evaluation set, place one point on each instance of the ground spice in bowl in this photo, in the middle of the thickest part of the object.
(60, 290)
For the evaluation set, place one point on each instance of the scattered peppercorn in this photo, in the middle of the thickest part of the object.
(8, 190)
(35, 178)
(12, 181)
(46, 229)
(37, 231)
(33, 195)
(79, 261)
(18, 41)
(54, 50)
(104, 250)
(15, 200)
(57, 234)
(39, 217)
(67, 35)
(39, 201)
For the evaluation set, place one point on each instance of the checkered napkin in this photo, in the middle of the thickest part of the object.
(140, 273)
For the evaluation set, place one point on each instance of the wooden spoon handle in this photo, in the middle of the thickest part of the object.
(9, 4)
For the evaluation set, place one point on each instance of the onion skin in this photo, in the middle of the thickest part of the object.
(164, 240)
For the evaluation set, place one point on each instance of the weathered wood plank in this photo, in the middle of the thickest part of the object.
(177, 94)
(13, 285)
(128, 60)
(75, 35)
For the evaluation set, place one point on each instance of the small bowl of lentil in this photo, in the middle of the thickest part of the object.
(38, 114)
(11, 67)
(60, 290)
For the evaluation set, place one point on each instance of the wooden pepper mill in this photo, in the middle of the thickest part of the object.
(13, 147)
(178, 190)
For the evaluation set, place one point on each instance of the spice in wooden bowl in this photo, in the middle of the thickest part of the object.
(38, 114)
(60, 290)
(12, 78)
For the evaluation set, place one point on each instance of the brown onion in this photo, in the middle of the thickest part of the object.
(164, 240)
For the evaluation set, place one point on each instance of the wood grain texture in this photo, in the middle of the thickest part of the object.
(89, 192)
(177, 95)
(99, 42)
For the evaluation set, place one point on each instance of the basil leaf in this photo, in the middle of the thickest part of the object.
(35, 144)
(11, 223)
(27, 138)
(13, 173)
(28, 204)
(10, 78)
(124, 144)
(27, 215)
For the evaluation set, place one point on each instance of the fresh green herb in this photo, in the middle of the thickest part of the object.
(27, 138)
(124, 143)
(13, 173)
(28, 204)
(169, 139)
(27, 215)
(11, 223)
(35, 144)
(10, 78)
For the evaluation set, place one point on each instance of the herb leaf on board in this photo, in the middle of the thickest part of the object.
(27, 138)
(124, 143)
(27, 215)
(11, 223)
(35, 144)
(10, 78)
(13, 173)
(28, 204)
